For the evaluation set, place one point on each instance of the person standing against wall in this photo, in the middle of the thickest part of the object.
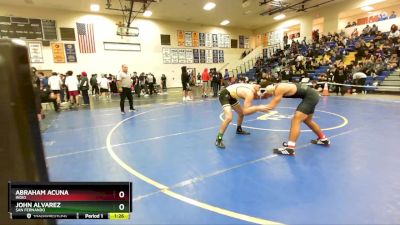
(164, 82)
(124, 88)
(185, 84)
(215, 82)
(84, 86)
(285, 40)
(206, 82)
(95, 85)
(150, 82)
(227, 78)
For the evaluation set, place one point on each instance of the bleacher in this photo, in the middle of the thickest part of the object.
(348, 58)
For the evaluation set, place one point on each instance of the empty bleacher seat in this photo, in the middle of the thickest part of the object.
(380, 78)
(385, 73)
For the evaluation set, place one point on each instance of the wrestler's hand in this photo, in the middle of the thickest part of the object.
(263, 108)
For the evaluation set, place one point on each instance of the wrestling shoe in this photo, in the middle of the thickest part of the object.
(242, 132)
(324, 141)
(219, 143)
(285, 150)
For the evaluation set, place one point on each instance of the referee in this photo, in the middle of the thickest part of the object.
(124, 88)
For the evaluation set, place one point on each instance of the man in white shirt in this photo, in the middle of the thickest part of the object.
(359, 78)
(104, 84)
(72, 83)
(150, 82)
(55, 85)
(124, 84)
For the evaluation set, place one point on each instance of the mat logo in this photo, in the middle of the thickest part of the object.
(274, 115)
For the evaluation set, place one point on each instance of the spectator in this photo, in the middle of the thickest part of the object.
(95, 85)
(383, 16)
(44, 80)
(304, 42)
(150, 82)
(72, 83)
(36, 91)
(113, 84)
(226, 78)
(206, 82)
(63, 91)
(84, 87)
(46, 95)
(198, 80)
(348, 25)
(354, 24)
(393, 62)
(215, 81)
(393, 15)
(359, 79)
(366, 30)
(164, 82)
(339, 77)
(104, 84)
(220, 80)
(394, 33)
(285, 39)
(185, 84)
(374, 30)
(55, 83)
(354, 33)
(142, 83)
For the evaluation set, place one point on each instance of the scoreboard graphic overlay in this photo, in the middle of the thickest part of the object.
(70, 200)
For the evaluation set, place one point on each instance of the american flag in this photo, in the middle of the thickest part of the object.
(86, 38)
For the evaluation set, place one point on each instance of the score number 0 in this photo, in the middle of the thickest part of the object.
(121, 194)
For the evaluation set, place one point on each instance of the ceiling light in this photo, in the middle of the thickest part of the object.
(279, 17)
(94, 7)
(367, 8)
(225, 22)
(371, 2)
(147, 13)
(209, 6)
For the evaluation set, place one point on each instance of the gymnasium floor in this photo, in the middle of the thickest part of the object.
(179, 177)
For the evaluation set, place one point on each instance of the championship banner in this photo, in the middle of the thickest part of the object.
(195, 39)
(209, 40)
(182, 56)
(196, 56)
(174, 56)
(209, 56)
(35, 52)
(181, 38)
(188, 39)
(241, 41)
(189, 56)
(202, 37)
(215, 56)
(215, 40)
(70, 53)
(58, 52)
(221, 57)
(166, 52)
(221, 41)
(202, 56)
(227, 40)
(246, 42)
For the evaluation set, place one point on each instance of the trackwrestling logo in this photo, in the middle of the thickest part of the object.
(274, 115)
